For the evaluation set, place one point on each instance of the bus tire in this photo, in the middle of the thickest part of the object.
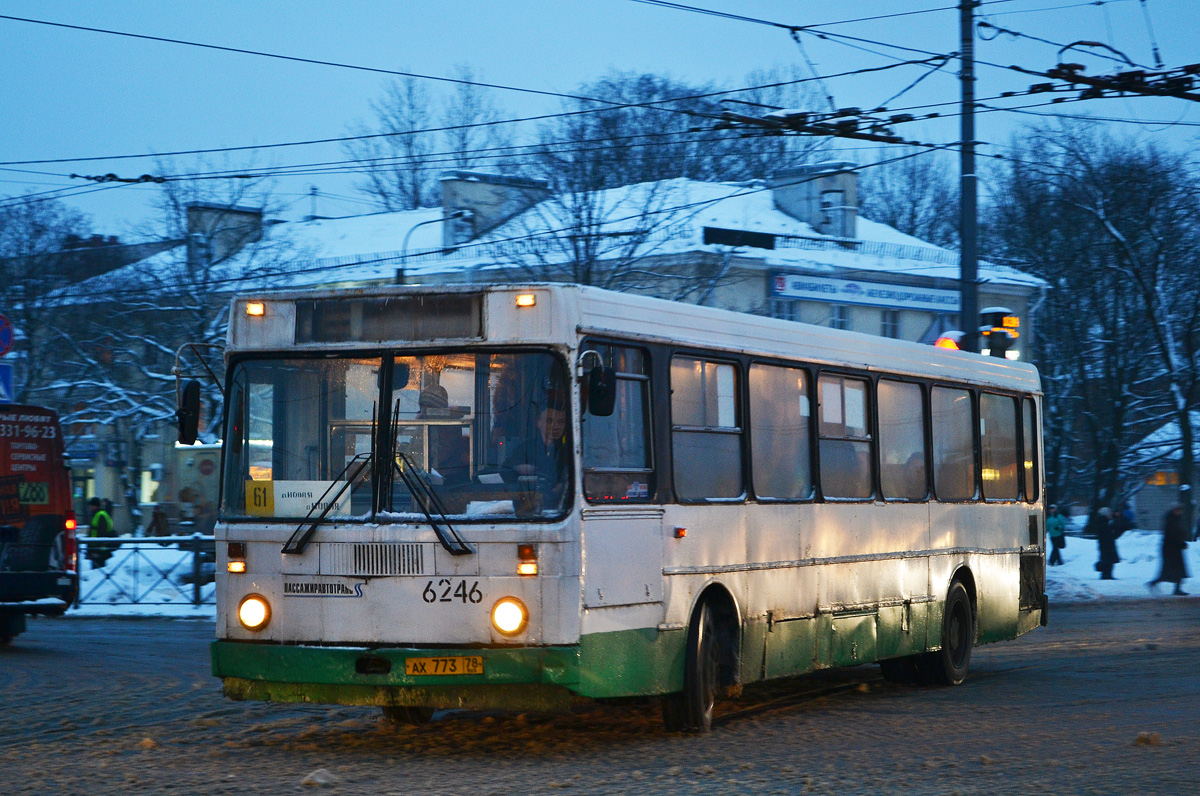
(407, 714)
(948, 666)
(691, 710)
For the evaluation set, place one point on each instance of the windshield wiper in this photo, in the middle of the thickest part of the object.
(424, 495)
(299, 538)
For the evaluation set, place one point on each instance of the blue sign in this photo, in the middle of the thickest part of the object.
(7, 390)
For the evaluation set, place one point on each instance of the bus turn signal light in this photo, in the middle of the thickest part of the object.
(526, 559)
(236, 567)
(526, 300)
(256, 308)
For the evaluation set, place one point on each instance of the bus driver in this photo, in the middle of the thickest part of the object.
(545, 454)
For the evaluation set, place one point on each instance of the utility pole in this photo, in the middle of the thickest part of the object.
(968, 222)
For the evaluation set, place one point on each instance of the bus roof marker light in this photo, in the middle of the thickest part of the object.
(950, 340)
(526, 300)
(256, 309)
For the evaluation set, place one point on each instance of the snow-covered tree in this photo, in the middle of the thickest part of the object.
(115, 367)
(1111, 225)
(34, 232)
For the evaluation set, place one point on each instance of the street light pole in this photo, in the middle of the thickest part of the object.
(457, 214)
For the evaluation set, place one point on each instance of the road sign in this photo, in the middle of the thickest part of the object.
(6, 336)
(7, 390)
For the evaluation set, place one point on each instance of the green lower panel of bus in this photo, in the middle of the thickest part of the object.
(632, 662)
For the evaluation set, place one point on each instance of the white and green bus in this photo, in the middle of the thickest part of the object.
(504, 497)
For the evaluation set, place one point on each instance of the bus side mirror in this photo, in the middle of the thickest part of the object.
(401, 373)
(188, 413)
(602, 390)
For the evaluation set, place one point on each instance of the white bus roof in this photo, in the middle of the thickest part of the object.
(592, 310)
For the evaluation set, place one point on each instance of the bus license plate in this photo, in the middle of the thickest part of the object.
(469, 664)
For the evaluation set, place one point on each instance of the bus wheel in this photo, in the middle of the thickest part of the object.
(691, 709)
(405, 714)
(948, 666)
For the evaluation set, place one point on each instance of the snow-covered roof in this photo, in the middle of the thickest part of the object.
(369, 248)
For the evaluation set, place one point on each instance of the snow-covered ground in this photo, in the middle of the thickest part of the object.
(1076, 580)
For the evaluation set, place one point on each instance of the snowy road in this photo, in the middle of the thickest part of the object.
(120, 706)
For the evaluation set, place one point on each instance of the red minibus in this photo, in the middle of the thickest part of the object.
(39, 559)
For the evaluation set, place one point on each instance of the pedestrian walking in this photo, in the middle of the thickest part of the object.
(1100, 525)
(1123, 519)
(1174, 542)
(1056, 530)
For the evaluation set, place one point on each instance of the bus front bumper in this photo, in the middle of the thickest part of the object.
(516, 678)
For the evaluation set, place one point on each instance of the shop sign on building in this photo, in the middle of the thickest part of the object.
(874, 294)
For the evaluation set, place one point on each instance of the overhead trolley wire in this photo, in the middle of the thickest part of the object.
(541, 117)
(300, 59)
(755, 20)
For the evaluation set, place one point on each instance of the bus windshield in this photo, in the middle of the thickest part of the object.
(486, 432)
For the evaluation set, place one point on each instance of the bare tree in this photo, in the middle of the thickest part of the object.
(396, 171)
(472, 136)
(400, 169)
(1110, 225)
(1142, 203)
(917, 195)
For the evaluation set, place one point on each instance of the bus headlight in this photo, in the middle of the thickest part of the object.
(254, 612)
(509, 616)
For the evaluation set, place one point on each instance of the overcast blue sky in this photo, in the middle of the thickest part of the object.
(71, 94)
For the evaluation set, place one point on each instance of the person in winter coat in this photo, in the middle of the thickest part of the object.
(101, 526)
(1056, 531)
(1174, 542)
(1100, 525)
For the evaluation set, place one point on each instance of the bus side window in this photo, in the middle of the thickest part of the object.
(780, 434)
(998, 443)
(953, 444)
(1029, 440)
(616, 448)
(901, 441)
(845, 446)
(706, 436)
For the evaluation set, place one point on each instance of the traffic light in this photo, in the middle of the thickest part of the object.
(1000, 330)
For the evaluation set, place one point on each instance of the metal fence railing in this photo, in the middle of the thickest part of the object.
(157, 570)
